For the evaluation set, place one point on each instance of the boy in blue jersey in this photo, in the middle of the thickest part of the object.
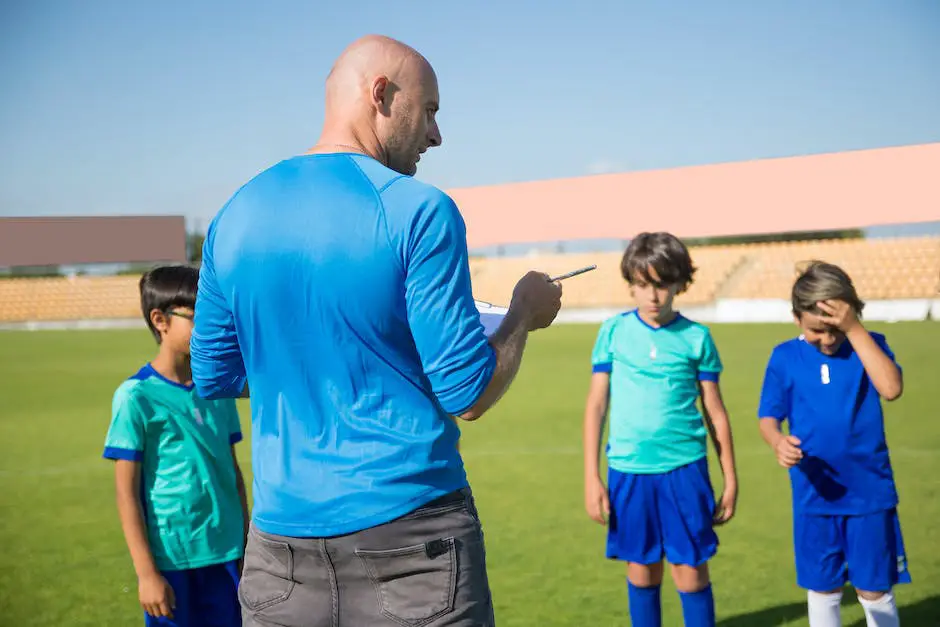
(180, 493)
(828, 384)
(650, 367)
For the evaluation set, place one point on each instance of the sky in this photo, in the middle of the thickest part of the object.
(116, 107)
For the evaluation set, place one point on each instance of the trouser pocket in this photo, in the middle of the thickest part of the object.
(267, 574)
(415, 584)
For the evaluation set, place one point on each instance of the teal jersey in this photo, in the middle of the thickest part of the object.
(189, 492)
(655, 422)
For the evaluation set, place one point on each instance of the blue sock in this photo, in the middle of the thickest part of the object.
(645, 607)
(698, 608)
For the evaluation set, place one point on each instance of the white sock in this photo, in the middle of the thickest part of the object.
(882, 612)
(824, 609)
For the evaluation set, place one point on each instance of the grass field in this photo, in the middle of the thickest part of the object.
(63, 560)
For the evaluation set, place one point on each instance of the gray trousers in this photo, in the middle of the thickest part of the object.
(426, 569)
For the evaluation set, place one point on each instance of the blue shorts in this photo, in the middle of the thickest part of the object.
(671, 514)
(866, 550)
(205, 597)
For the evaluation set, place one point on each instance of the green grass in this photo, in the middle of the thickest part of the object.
(64, 561)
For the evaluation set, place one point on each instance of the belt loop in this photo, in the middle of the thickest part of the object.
(471, 504)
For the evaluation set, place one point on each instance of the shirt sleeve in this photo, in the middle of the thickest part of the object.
(234, 422)
(455, 353)
(882, 343)
(774, 396)
(126, 433)
(216, 359)
(602, 358)
(709, 365)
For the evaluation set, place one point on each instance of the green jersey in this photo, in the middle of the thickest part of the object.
(655, 423)
(189, 493)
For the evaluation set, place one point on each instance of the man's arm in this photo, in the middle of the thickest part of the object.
(215, 355)
(508, 343)
(509, 340)
(467, 371)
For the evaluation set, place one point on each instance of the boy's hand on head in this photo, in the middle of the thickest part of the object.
(838, 314)
(596, 501)
(788, 451)
(156, 596)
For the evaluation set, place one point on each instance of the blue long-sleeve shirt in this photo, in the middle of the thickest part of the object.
(339, 290)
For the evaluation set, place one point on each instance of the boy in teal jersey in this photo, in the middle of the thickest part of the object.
(650, 367)
(180, 493)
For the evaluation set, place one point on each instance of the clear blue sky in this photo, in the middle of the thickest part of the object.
(111, 106)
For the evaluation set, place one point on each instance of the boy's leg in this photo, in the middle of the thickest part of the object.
(644, 582)
(877, 562)
(818, 543)
(824, 608)
(633, 535)
(686, 505)
(216, 603)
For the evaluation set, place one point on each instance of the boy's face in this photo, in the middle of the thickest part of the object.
(652, 298)
(826, 338)
(175, 327)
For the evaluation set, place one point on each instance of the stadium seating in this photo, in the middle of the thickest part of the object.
(880, 268)
(899, 268)
(494, 278)
(69, 298)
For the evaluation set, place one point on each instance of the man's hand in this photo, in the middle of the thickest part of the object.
(724, 511)
(537, 299)
(156, 596)
(596, 500)
(838, 314)
(788, 451)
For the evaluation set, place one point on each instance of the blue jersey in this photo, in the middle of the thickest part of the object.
(833, 408)
(339, 290)
(655, 423)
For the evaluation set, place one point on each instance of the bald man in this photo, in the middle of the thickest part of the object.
(338, 286)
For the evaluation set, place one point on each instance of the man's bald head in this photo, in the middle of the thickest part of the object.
(383, 91)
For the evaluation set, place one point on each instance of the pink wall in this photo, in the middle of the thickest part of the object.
(810, 193)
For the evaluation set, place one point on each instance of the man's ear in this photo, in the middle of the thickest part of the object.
(381, 98)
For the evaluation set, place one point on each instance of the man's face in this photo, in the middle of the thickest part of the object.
(411, 126)
(827, 339)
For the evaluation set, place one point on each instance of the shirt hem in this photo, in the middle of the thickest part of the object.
(235, 554)
(321, 531)
(850, 511)
(645, 469)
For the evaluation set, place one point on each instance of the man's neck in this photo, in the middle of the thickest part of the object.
(350, 141)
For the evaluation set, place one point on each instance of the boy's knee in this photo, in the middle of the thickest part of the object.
(690, 578)
(869, 595)
(645, 575)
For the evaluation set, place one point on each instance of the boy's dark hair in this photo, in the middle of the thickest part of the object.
(166, 287)
(820, 281)
(665, 253)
